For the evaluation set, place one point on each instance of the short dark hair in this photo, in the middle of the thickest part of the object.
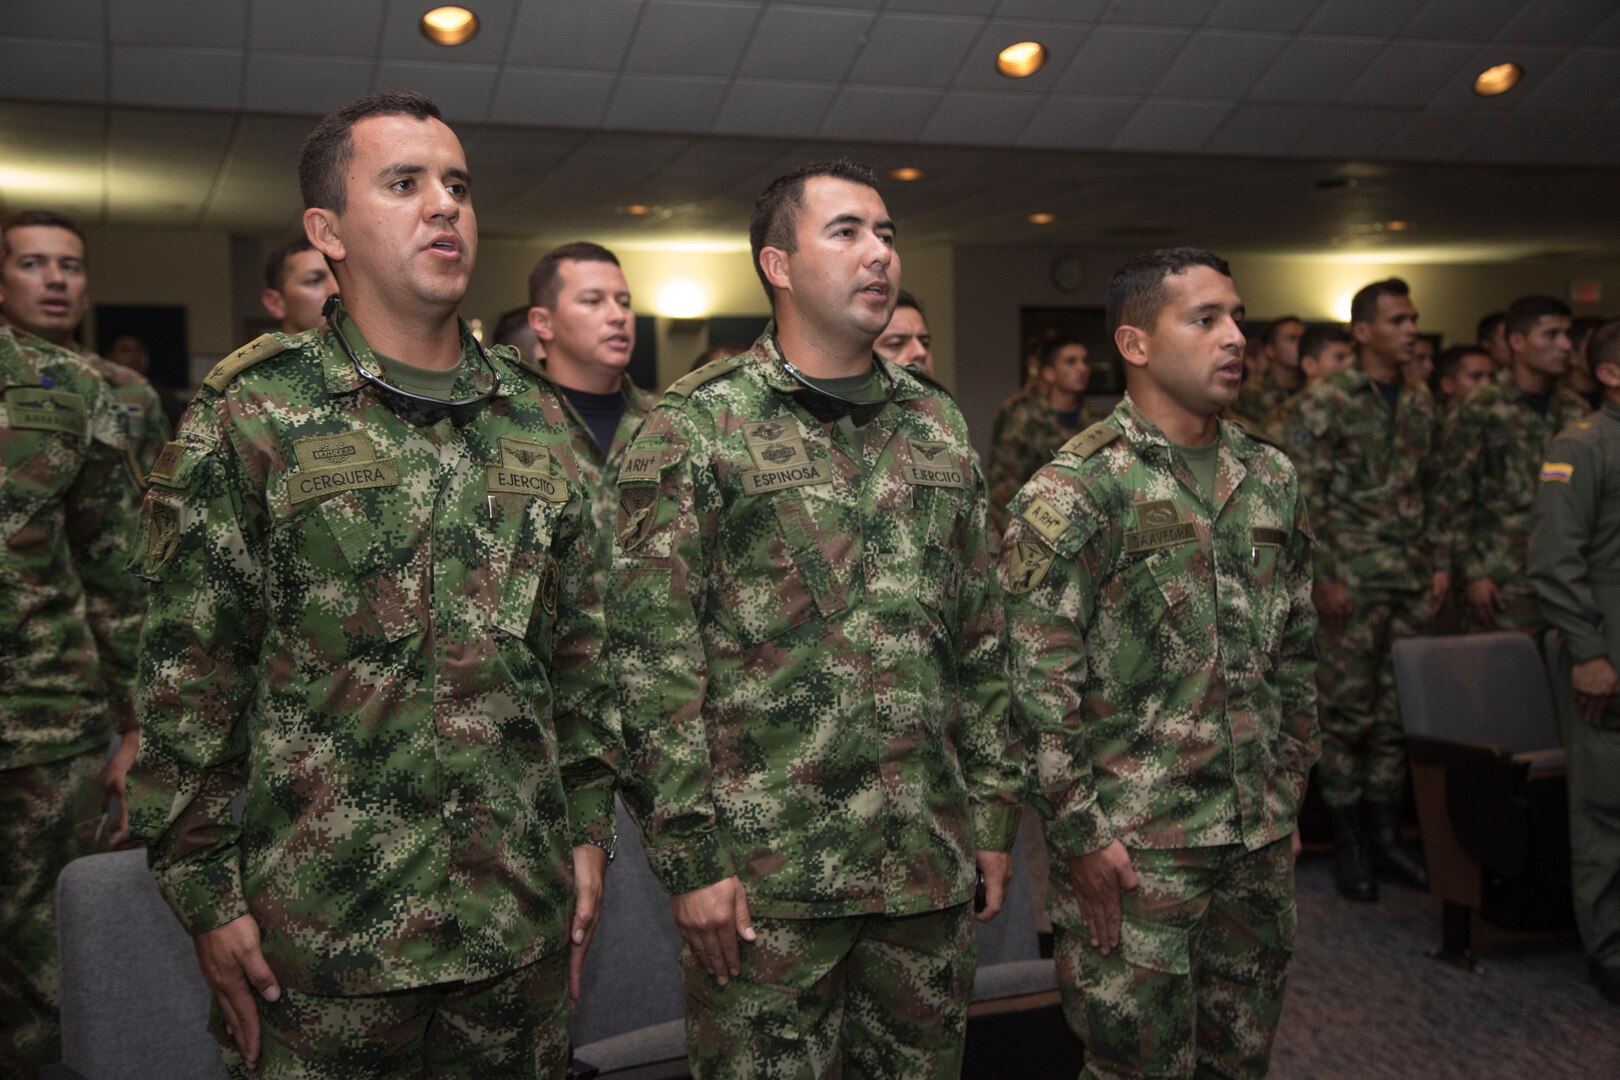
(1526, 311)
(1137, 294)
(1450, 359)
(510, 326)
(275, 267)
(24, 219)
(1052, 346)
(545, 279)
(775, 219)
(1488, 324)
(1581, 327)
(1364, 305)
(905, 299)
(1604, 348)
(1268, 336)
(1315, 340)
(324, 161)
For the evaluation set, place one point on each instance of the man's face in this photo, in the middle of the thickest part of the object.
(1334, 358)
(306, 282)
(591, 323)
(1392, 334)
(906, 339)
(1546, 348)
(1069, 373)
(1496, 345)
(845, 274)
(1422, 365)
(1195, 352)
(43, 287)
(126, 350)
(1472, 370)
(1284, 348)
(409, 237)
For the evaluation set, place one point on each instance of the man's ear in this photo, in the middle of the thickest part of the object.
(1607, 374)
(1131, 342)
(274, 303)
(322, 229)
(540, 323)
(774, 262)
(1361, 332)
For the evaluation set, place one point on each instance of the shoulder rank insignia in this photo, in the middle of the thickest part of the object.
(1091, 440)
(686, 384)
(259, 349)
(1251, 430)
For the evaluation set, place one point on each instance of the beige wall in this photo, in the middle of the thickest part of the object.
(189, 267)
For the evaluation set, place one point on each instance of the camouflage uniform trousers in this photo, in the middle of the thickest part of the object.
(49, 816)
(864, 996)
(1195, 987)
(510, 1026)
(1363, 745)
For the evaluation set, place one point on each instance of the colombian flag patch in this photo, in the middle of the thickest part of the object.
(1556, 470)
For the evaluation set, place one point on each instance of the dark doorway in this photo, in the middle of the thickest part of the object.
(161, 328)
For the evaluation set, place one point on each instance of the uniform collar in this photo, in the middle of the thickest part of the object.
(777, 378)
(1144, 436)
(341, 378)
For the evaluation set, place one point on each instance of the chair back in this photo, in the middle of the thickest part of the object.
(1488, 688)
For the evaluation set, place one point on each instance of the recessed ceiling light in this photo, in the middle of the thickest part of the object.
(1022, 60)
(449, 25)
(906, 174)
(637, 210)
(1042, 219)
(1397, 225)
(1497, 80)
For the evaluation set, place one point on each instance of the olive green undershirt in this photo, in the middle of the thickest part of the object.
(424, 382)
(1201, 461)
(862, 388)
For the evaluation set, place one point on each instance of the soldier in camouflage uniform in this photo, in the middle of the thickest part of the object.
(581, 316)
(1574, 564)
(1158, 586)
(1283, 378)
(807, 634)
(1034, 422)
(375, 612)
(297, 282)
(1492, 448)
(69, 622)
(1369, 473)
(1323, 351)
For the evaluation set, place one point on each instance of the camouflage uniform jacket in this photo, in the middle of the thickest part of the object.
(1027, 433)
(808, 643)
(1371, 480)
(70, 614)
(1259, 397)
(1575, 537)
(599, 472)
(390, 637)
(1162, 650)
(145, 424)
(1492, 452)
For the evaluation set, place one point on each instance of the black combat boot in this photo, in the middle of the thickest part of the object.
(1392, 860)
(1353, 874)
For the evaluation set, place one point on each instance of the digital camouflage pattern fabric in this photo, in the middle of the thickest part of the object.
(866, 995)
(1258, 398)
(1492, 449)
(510, 1027)
(807, 638)
(146, 427)
(1162, 650)
(1027, 433)
(390, 637)
(599, 472)
(1196, 986)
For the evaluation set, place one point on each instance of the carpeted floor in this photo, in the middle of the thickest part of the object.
(1365, 1001)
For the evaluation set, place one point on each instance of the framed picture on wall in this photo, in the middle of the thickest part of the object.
(1090, 326)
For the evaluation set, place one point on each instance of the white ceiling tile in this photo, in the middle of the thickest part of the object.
(1314, 70)
(1576, 84)
(1361, 18)
(1172, 126)
(766, 107)
(1071, 10)
(351, 28)
(220, 23)
(82, 19)
(1538, 61)
(1352, 133)
(1276, 15)
(1437, 136)
(573, 33)
(1461, 20)
(146, 75)
(978, 71)
(1531, 140)
(303, 84)
(143, 145)
(1567, 22)
(402, 37)
(1117, 60)
(1407, 73)
(980, 117)
(944, 7)
(1072, 123)
(1220, 64)
(462, 91)
(1596, 142)
(879, 113)
(808, 44)
(553, 98)
(53, 70)
(1264, 129)
(686, 38)
(665, 102)
(913, 50)
(1187, 13)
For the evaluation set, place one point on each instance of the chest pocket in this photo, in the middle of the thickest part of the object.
(523, 567)
(942, 494)
(37, 468)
